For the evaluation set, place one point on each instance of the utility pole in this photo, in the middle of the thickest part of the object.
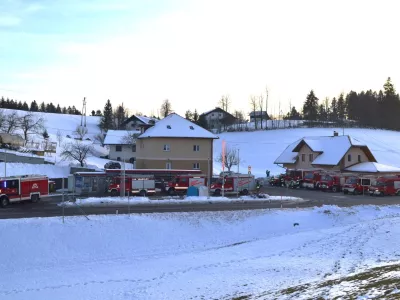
(83, 116)
(5, 163)
(122, 184)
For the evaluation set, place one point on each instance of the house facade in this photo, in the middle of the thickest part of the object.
(176, 143)
(258, 115)
(138, 123)
(122, 145)
(329, 153)
(217, 118)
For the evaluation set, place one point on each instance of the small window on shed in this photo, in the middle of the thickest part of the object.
(169, 126)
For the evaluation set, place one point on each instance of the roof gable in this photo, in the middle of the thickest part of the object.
(118, 137)
(175, 126)
(331, 148)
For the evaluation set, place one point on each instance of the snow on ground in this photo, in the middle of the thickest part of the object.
(95, 201)
(202, 255)
(51, 171)
(259, 149)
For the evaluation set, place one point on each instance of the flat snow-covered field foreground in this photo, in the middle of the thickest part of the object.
(208, 255)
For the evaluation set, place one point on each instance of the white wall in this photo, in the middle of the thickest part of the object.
(126, 153)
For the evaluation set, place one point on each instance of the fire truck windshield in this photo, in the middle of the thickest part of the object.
(326, 178)
(352, 180)
(309, 176)
(380, 183)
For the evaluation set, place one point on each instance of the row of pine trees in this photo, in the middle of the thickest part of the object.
(377, 109)
(42, 107)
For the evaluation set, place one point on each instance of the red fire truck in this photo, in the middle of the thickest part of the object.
(332, 182)
(181, 183)
(134, 185)
(388, 185)
(238, 183)
(357, 185)
(20, 188)
(311, 180)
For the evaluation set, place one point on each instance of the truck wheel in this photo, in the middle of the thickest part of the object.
(34, 198)
(334, 189)
(317, 186)
(345, 192)
(355, 193)
(245, 192)
(114, 193)
(142, 193)
(4, 201)
(171, 192)
(217, 192)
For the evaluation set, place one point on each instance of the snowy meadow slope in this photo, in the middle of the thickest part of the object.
(204, 255)
(260, 148)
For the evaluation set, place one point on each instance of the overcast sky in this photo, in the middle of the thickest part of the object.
(193, 52)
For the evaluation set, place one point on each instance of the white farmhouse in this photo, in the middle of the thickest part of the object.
(122, 144)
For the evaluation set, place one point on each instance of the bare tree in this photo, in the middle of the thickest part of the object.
(30, 125)
(130, 138)
(225, 102)
(77, 151)
(231, 158)
(12, 122)
(81, 131)
(2, 120)
(59, 137)
(253, 104)
(261, 107)
(100, 138)
(166, 108)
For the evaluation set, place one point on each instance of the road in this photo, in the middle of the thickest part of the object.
(48, 206)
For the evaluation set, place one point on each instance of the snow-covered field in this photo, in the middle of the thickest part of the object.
(259, 149)
(94, 201)
(204, 255)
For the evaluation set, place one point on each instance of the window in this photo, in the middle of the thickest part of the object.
(134, 148)
(359, 158)
(168, 165)
(311, 157)
(118, 148)
(303, 157)
(220, 115)
(196, 166)
(191, 127)
(349, 157)
(166, 147)
(119, 158)
(169, 126)
(365, 181)
(196, 148)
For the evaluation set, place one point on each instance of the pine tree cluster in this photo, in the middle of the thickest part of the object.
(42, 107)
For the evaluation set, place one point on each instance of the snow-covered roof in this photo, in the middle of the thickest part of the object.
(372, 167)
(288, 156)
(175, 126)
(331, 149)
(147, 120)
(116, 137)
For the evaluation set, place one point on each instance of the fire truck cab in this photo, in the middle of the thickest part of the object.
(181, 183)
(389, 185)
(239, 183)
(20, 188)
(311, 180)
(357, 185)
(332, 182)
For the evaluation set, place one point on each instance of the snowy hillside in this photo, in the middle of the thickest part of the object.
(260, 148)
(204, 255)
(65, 123)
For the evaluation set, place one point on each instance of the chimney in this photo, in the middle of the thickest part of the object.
(335, 133)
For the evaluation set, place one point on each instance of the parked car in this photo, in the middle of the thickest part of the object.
(112, 165)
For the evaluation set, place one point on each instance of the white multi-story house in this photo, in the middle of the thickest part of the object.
(122, 144)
